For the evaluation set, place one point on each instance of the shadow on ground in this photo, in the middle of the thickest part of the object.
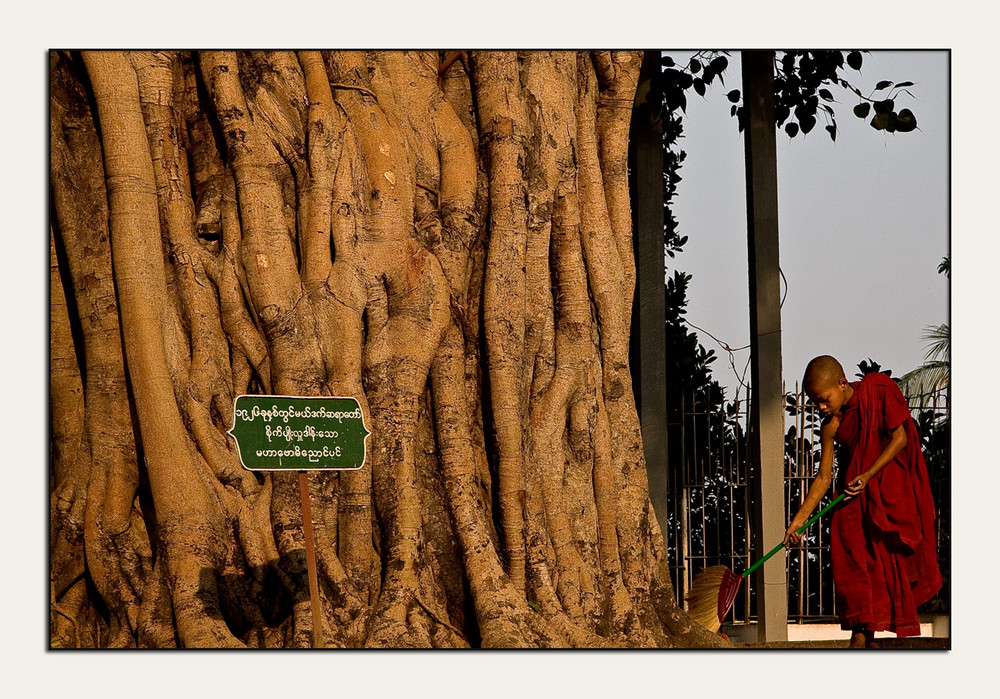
(918, 643)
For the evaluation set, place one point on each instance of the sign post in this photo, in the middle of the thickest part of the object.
(307, 525)
(297, 433)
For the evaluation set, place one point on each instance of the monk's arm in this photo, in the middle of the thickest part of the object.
(819, 485)
(895, 445)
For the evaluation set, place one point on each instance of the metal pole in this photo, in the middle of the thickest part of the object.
(765, 337)
(685, 537)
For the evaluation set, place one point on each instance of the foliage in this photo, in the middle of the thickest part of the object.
(802, 81)
(697, 74)
(673, 159)
(690, 387)
(945, 267)
(935, 373)
(934, 427)
(687, 360)
(870, 367)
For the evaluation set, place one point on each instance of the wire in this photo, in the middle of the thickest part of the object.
(722, 344)
(732, 350)
(732, 357)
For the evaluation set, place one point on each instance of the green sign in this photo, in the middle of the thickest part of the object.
(292, 433)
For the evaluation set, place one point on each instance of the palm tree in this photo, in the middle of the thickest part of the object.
(934, 373)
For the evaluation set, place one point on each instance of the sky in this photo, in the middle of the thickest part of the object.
(863, 223)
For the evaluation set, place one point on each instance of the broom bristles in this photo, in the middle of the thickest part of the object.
(703, 597)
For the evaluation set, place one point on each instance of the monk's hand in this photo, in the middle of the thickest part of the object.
(855, 487)
(792, 537)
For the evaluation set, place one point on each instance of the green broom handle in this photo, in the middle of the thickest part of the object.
(801, 529)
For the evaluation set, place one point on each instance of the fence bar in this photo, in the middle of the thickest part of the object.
(700, 476)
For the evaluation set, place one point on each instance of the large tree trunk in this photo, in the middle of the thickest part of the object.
(445, 237)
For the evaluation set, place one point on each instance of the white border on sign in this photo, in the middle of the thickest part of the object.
(364, 442)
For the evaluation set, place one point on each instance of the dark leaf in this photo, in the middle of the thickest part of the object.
(861, 111)
(884, 106)
(694, 66)
(719, 63)
(880, 121)
(905, 121)
(699, 86)
(832, 130)
(804, 111)
(667, 61)
(826, 94)
(882, 84)
(733, 96)
(854, 60)
(792, 129)
(807, 123)
(905, 83)
(732, 110)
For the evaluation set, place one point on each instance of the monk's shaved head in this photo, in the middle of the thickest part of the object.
(822, 372)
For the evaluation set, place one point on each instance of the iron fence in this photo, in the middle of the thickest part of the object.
(710, 504)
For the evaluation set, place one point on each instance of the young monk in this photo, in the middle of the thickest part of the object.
(883, 542)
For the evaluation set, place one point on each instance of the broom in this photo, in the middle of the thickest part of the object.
(713, 590)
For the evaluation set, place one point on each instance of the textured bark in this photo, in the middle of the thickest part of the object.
(445, 236)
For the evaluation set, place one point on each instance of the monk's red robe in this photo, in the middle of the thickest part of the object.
(883, 543)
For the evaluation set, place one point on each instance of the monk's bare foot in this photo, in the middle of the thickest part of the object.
(872, 644)
(858, 640)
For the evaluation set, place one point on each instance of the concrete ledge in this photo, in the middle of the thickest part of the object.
(936, 626)
(915, 643)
